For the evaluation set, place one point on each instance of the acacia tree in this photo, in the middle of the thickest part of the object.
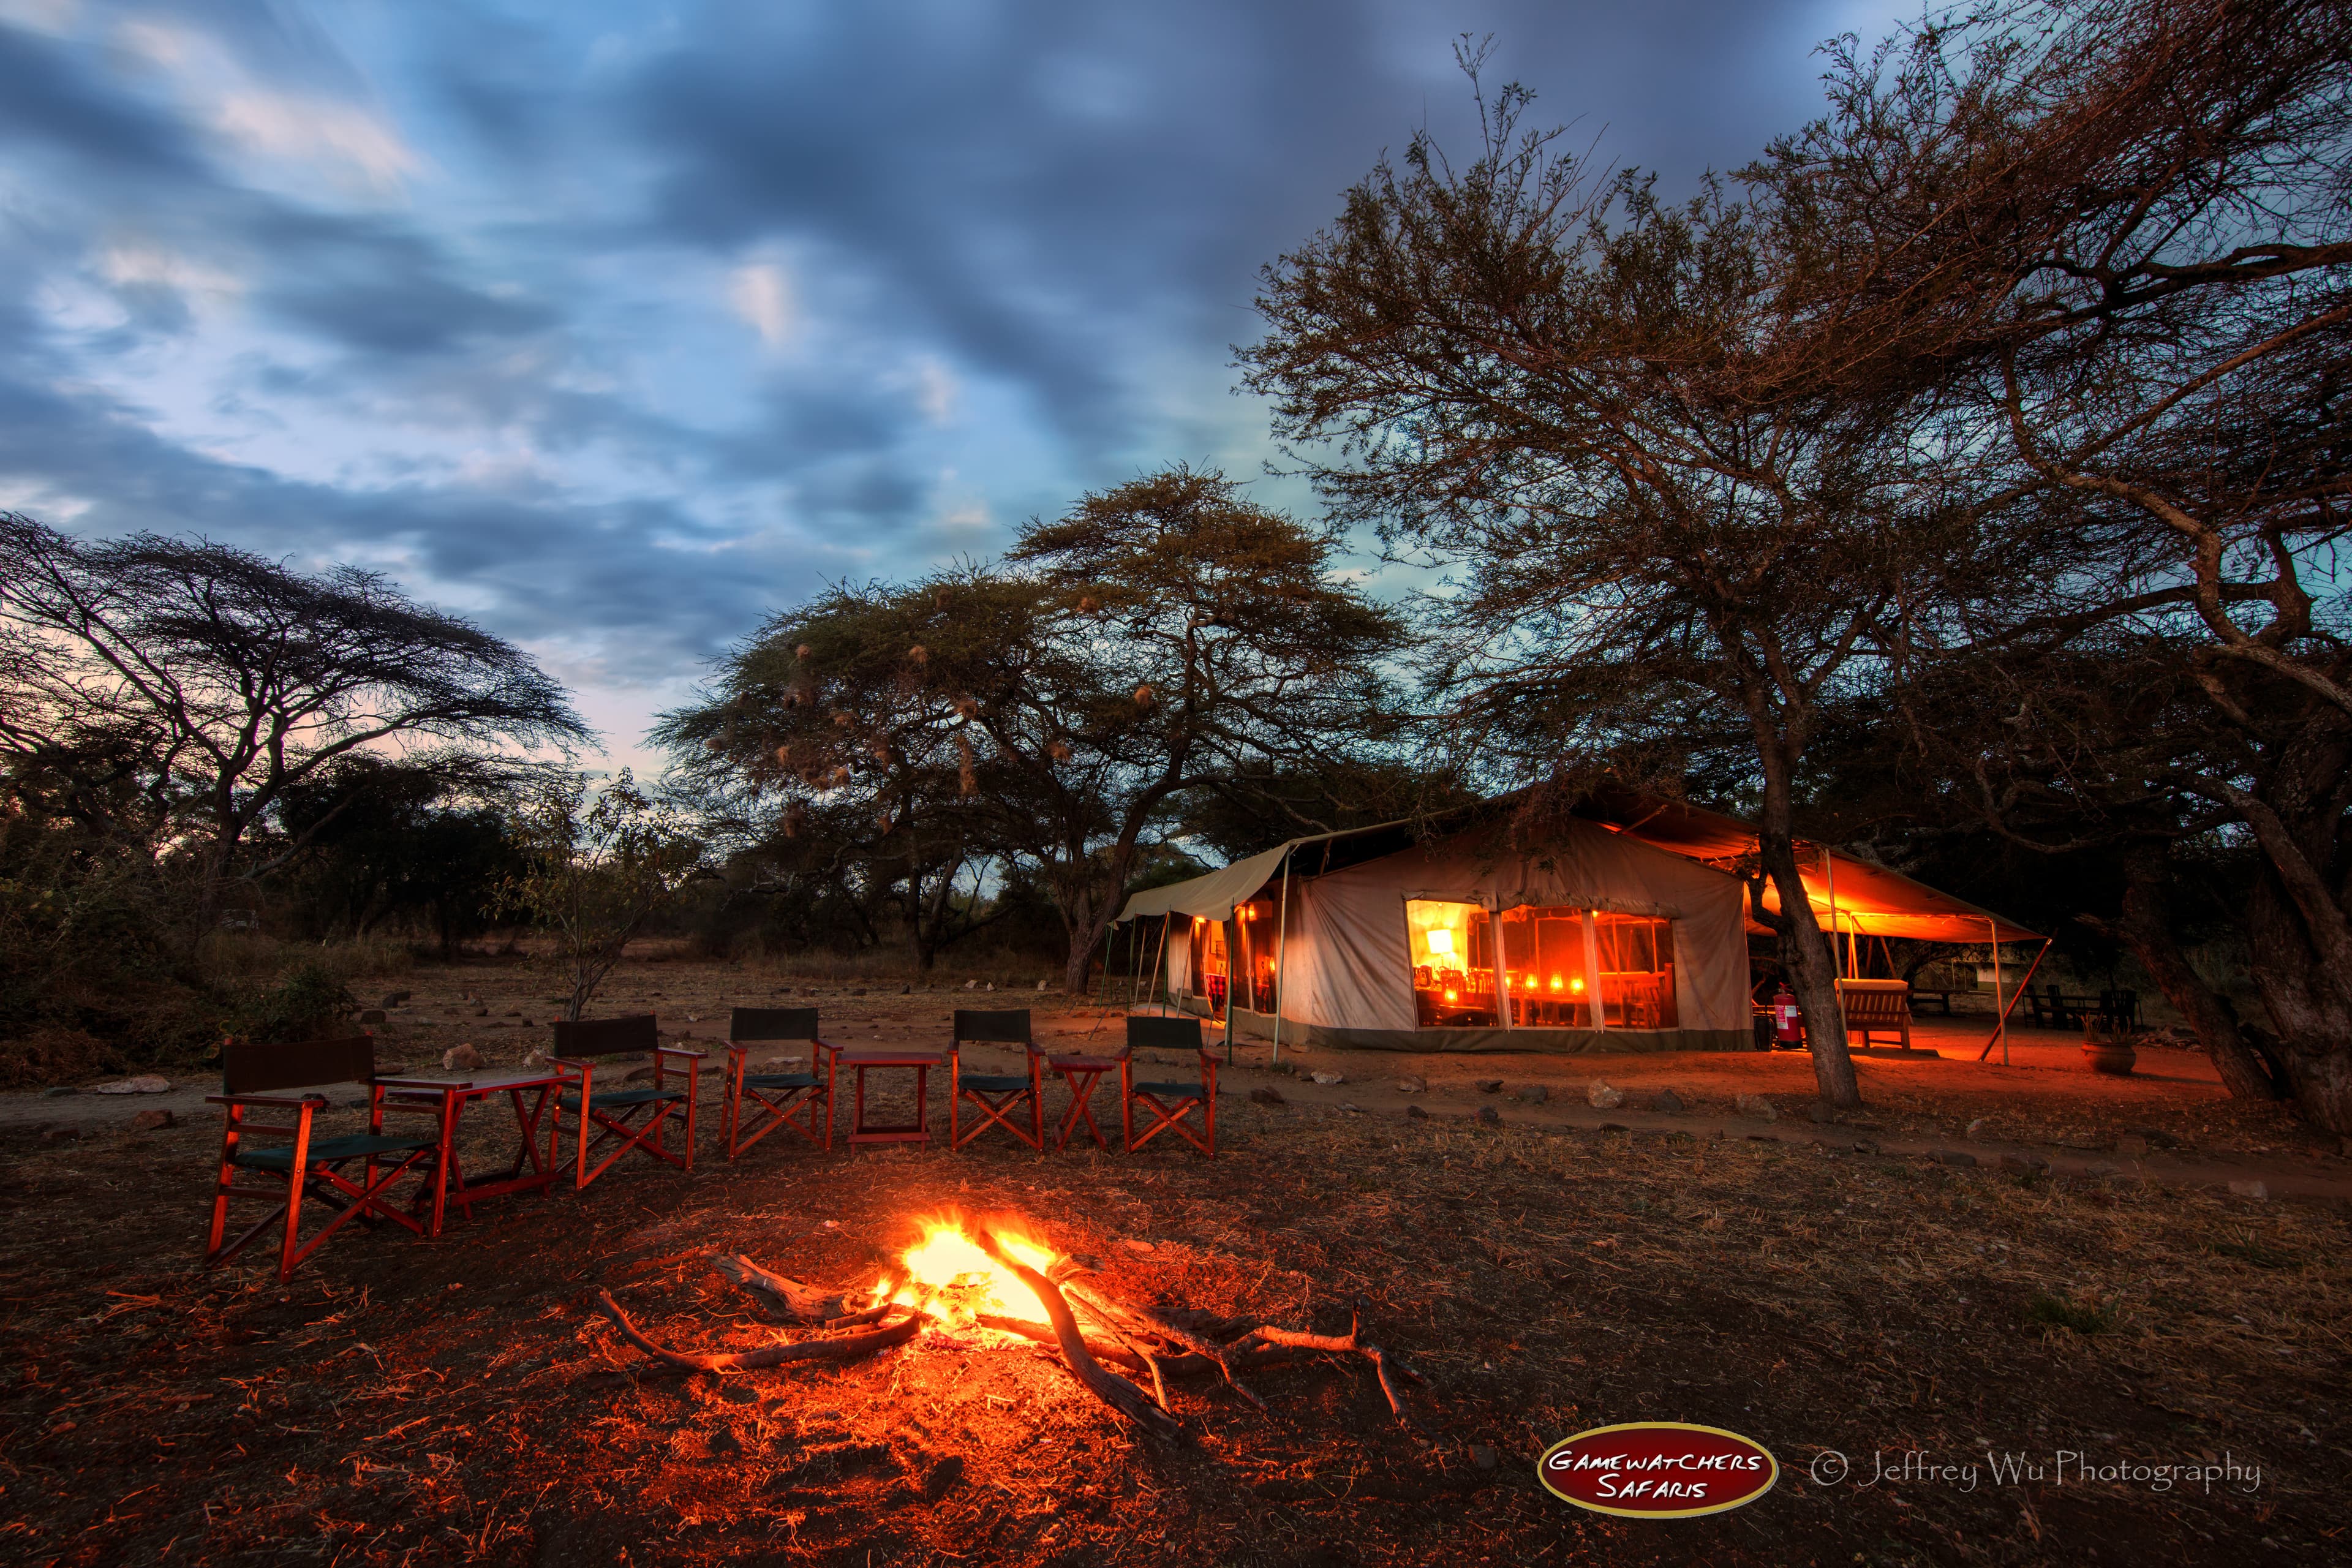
(597, 865)
(233, 679)
(2112, 244)
(1598, 410)
(1053, 711)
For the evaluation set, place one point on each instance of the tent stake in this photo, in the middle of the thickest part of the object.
(2001, 1030)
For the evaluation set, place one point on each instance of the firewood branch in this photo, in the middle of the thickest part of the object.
(1108, 1386)
(849, 1347)
(778, 1292)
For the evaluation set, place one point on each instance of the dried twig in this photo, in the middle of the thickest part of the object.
(1158, 1323)
(1338, 1344)
(849, 1347)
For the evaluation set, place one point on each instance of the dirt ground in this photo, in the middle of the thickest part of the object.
(412, 1401)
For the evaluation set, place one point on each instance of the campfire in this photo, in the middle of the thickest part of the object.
(991, 1281)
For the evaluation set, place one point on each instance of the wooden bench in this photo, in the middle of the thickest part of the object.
(1878, 1007)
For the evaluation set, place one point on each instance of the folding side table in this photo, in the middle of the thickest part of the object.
(916, 1131)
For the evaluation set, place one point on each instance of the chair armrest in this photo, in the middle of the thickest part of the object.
(678, 1051)
(279, 1100)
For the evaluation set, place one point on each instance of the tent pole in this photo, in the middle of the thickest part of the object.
(2001, 1030)
(1160, 958)
(1281, 945)
(1502, 975)
(1596, 1013)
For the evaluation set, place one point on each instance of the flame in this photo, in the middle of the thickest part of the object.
(949, 1275)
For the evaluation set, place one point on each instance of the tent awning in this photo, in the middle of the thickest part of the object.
(1847, 893)
(1212, 897)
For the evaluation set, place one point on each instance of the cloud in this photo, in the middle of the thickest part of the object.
(763, 295)
(350, 146)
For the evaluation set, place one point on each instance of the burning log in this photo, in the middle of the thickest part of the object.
(1157, 1323)
(1108, 1386)
(781, 1294)
(849, 1347)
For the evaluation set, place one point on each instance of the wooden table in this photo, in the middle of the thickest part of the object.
(536, 1083)
(916, 1131)
(1081, 1073)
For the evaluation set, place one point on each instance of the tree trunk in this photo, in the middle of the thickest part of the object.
(2146, 929)
(1805, 949)
(2295, 917)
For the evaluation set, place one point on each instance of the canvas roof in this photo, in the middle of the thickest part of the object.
(1847, 893)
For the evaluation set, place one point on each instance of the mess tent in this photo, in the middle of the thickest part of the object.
(1619, 928)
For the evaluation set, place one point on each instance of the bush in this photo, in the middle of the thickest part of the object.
(310, 1001)
(2082, 1317)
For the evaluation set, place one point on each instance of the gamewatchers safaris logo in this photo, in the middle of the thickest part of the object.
(1657, 1469)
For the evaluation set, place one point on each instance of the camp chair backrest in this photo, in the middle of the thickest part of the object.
(247, 1067)
(607, 1036)
(772, 1024)
(1006, 1028)
(1893, 987)
(1150, 1033)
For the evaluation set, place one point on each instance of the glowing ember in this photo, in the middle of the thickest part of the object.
(948, 1275)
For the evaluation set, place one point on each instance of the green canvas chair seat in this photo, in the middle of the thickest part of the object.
(353, 1146)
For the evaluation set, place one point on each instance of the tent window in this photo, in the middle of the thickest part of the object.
(1452, 964)
(1637, 970)
(1209, 959)
(1253, 924)
(1543, 963)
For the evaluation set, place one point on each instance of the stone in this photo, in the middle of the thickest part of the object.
(2156, 1137)
(1601, 1097)
(1756, 1105)
(1412, 1085)
(153, 1121)
(1327, 1078)
(1536, 1094)
(990, 987)
(905, 990)
(393, 999)
(1490, 1086)
(1351, 1110)
(1487, 1114)
(1483, 1457)
(1132, 1245)
(145, 1083)
(1865, 1146)
(2249, 1189)
(1264, 1095)
(372, 1017)
(58, 1091)
(461, 1058)
(1820, 1112)
(2024, 1162)
(537, 1059)
(64, 1135)
(1042, 984)
(1416, 1113)
(2102, 1168)
(1955, 1157)
(1976, 1128)
(1667, 1101)
(971, 984)
(2131, 1143)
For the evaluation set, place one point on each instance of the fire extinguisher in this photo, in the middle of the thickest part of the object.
(1787, 1030)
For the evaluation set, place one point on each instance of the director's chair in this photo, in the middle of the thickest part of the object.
(311, 1167)
(1168, 1103)
(779, 1098)
(613, 1112)
(1003, 1029)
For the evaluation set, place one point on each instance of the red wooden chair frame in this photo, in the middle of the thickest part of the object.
(1010, 1028)
(575, 1042)
(1168, 1103)
(311, 1165)
(797, 1095)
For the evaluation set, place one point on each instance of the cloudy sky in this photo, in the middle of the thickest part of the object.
(616, 323)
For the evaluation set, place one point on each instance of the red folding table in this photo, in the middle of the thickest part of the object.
(1081, 1073)
(916, 1131)
(527, 1092)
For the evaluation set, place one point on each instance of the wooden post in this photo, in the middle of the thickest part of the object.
(2001, 1022)
(1502, 972)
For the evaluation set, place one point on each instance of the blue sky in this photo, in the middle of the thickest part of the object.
(617, 325)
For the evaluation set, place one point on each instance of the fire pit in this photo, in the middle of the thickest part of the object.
(994, 1282)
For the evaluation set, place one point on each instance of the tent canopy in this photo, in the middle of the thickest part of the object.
(1847, 894)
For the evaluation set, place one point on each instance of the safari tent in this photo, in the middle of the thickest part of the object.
(1619, 930)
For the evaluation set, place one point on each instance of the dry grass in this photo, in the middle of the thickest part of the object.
(457, 1400)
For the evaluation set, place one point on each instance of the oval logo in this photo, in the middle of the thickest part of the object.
(1657, 1469)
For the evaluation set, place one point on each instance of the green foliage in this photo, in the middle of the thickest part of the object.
(306, 1003)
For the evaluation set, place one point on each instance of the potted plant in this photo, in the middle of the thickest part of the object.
(2107, 1045)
